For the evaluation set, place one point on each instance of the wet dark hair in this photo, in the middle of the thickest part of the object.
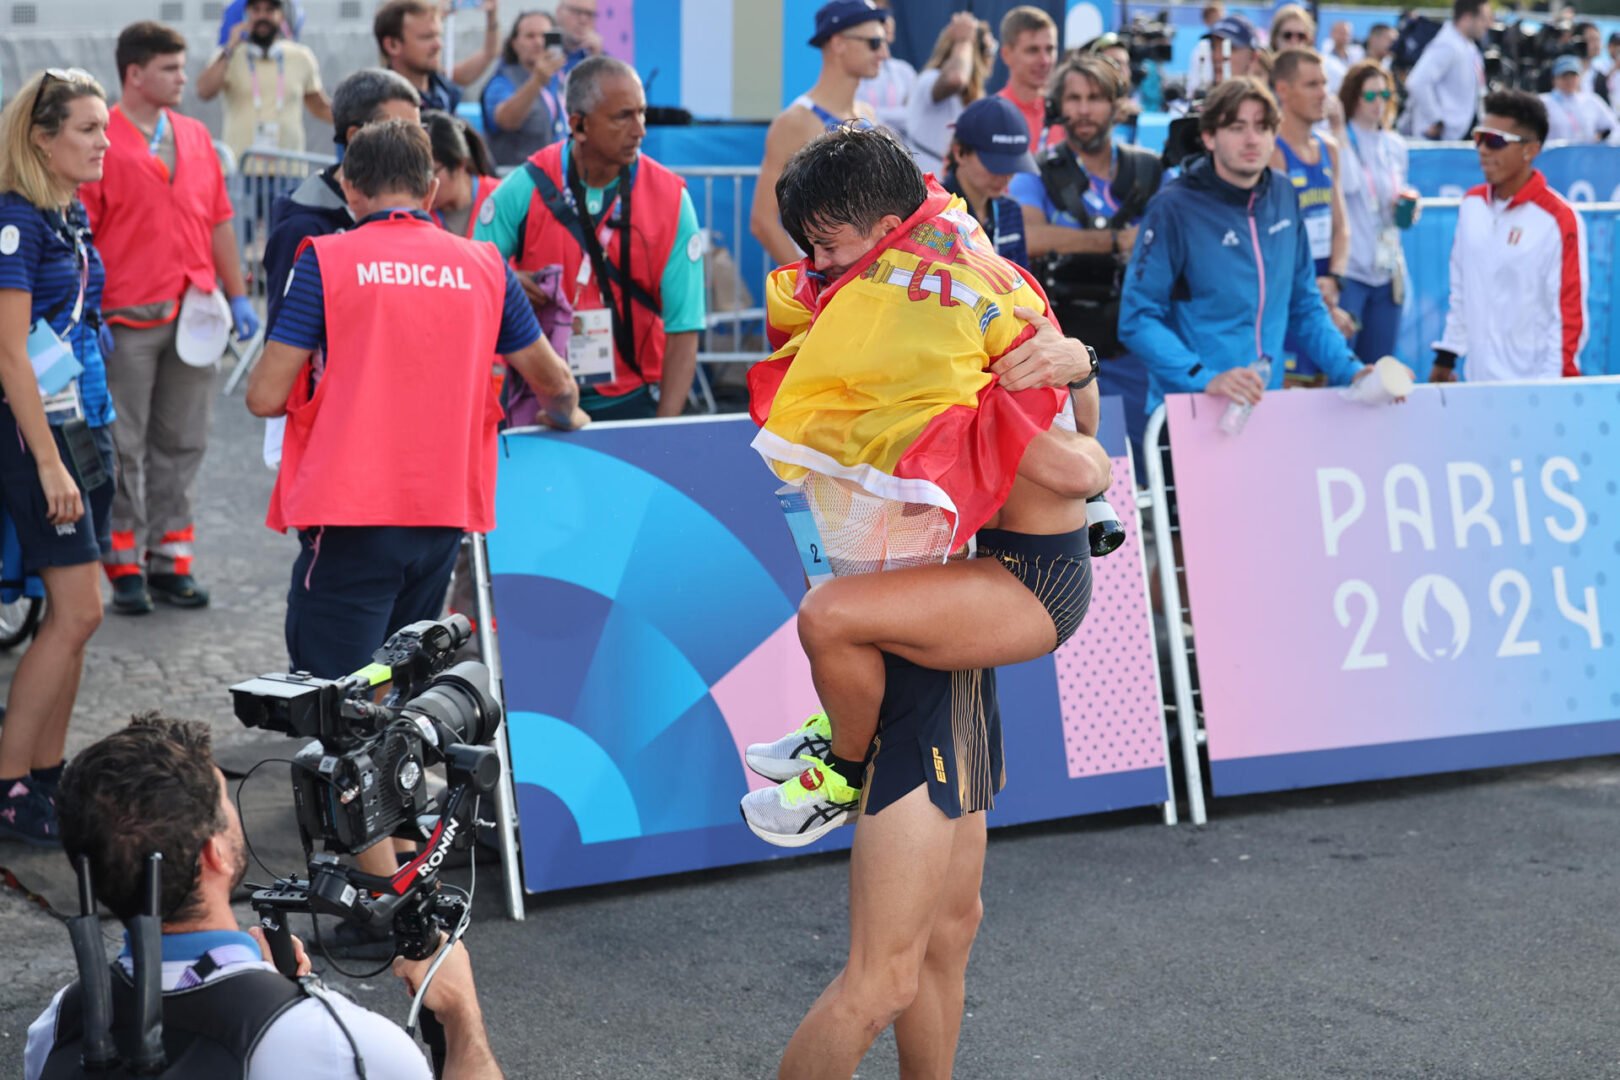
(390, 155)
(456, 145)
(849, 176)
(1522, 107)
(149, 787)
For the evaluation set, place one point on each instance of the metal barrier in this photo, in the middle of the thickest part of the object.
(1156, 444)
(255, 181)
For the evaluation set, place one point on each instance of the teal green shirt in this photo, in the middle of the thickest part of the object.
(681, 291)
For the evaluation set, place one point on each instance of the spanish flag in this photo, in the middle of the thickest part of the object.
(881, 377)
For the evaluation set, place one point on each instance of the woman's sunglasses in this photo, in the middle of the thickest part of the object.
(1374, 95)
(67, 75)
(1492, 139)
(1293, 35)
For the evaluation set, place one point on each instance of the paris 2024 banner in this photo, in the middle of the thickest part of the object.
(1403, 589)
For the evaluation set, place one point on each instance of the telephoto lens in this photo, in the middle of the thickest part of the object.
(1106, 531)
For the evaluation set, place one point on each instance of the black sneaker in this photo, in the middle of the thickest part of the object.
(349, 940)
(181, 590)
(130, 596)
(28, 816)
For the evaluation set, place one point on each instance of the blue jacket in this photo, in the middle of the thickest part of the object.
(1252, 284)
(314, 208)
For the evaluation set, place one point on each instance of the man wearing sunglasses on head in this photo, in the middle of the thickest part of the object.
(853, 46)
(1518, 263)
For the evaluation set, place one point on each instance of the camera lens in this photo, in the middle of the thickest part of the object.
(460, 700)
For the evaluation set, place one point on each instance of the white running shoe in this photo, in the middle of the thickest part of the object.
(786, 758)
(802, 810)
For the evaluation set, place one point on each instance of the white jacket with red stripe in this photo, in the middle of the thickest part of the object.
(1518, 285)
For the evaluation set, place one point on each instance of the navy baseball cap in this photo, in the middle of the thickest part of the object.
(836, 16)
(993, 128)
(1237, 31)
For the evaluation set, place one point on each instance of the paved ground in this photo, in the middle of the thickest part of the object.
(1457, 927)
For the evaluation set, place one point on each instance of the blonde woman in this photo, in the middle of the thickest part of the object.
(952, 80)
(1291, 28)
(56, 460)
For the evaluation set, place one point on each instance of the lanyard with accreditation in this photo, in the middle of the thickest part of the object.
(574, 215)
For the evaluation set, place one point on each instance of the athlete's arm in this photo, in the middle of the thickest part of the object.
(1339, 257)
(1067, 463)
(786, 135)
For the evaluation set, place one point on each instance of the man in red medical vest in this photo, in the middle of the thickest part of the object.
(563, 219)
(162, 221)
(389, 451)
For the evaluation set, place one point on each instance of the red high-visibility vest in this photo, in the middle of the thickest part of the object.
(401, 428)
(655, 218)
(155, 231)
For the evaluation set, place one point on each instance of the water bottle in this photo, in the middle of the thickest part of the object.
(1237, 413)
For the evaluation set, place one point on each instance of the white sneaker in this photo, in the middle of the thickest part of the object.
(786, 757)
(802, 810)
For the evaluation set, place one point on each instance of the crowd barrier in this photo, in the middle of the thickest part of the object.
(646, 588)
(1394, 591)
(1579, 173)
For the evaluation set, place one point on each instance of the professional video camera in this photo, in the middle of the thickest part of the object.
(1520, 55)
(1148, 38)
(364, 780)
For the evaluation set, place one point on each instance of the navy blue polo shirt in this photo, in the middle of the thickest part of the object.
(441, 94)
(45, 254)
(301, 321)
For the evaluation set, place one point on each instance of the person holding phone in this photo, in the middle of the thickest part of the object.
(522, 108)
(56, 453)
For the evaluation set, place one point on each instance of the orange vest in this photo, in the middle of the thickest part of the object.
(655, 215)
(156, 234)
(412, 317)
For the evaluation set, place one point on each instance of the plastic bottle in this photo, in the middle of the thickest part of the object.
(1237, 413)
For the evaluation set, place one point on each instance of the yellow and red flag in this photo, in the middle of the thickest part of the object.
(881, 377)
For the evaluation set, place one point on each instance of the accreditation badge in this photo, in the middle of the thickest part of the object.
(267, 135)
(590, 346)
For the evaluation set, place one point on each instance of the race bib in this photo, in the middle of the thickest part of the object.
(590, 346)
(1319, 230)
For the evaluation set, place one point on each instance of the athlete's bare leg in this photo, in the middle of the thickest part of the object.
(898, 873)
(927, 1032)
(955, 617)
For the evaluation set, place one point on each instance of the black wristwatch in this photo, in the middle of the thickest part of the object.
(1092, 377)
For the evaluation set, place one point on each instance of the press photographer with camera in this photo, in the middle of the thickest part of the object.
(225, 1010)
(1080, 220)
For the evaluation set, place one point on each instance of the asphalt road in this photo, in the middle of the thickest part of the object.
(1463, 926)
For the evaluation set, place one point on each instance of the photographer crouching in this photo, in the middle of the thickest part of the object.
(225, 1010)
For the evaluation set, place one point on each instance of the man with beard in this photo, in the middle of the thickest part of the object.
(268, 81)
(153, 787)
(1080, 220)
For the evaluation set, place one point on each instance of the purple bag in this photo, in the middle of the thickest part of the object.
(557, 323)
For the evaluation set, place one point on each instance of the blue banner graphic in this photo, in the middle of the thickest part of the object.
(645, 589)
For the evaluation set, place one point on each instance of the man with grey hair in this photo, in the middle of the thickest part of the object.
(316, 207)
(605, 241)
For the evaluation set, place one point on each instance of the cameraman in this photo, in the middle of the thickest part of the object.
(1080, 219)
(152, 787)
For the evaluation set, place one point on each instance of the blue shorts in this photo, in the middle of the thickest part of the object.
(353, 586)
(42, 543)
(941, 729)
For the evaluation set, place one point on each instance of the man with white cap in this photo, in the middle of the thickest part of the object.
(853, 46)
(1576, 115)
